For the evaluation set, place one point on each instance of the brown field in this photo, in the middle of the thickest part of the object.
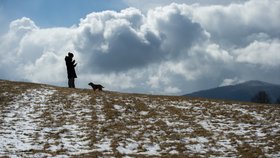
(46, 121)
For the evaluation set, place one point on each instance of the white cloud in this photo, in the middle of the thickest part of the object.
(171, 90)
(149, 4)
(9, 53)
(234, 24)
(216, 53)
(111, 38)
(28, 52)
(230, 81)
(47, 68)
(22, 26)
(170, 49)
(265, 53)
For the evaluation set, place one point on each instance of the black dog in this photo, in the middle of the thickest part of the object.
(96, 86)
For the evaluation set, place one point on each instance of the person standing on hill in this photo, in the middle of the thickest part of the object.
(70, 64)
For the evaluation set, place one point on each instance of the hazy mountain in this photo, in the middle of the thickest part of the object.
(240, 92)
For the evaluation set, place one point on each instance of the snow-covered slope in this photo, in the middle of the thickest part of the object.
(46, 121)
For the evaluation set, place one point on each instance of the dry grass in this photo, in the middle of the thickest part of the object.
(82, 123)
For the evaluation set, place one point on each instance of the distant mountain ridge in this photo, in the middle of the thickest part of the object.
(240, 92)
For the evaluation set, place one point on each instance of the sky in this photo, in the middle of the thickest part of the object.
(169, 47)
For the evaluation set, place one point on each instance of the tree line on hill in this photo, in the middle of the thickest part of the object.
(263, 97)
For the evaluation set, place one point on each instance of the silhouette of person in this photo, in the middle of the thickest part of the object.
(70, 64)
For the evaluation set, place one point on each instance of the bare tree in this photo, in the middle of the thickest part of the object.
(261, 97)
(278, 100)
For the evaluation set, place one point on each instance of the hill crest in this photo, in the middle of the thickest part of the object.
(47, 121)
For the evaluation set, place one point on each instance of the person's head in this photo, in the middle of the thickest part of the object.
(71, 55)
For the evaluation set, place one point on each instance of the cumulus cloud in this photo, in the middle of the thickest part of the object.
(9, 54)
(148, 4)
(30, 53)
(235, 24)
(172, 49)
(137, 39)
(265, 53)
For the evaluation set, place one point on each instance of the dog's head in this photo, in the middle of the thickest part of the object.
(91, 84)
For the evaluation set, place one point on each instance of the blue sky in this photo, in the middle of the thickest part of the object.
(50, 13)
(146, 46)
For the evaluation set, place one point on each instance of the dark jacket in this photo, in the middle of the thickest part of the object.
(70, 67)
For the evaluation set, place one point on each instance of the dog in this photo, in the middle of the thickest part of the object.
(96, 86)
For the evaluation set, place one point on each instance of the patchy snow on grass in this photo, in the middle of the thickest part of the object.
(17, 129)
(128, 147)
(119, 108)
(104, 145)
(151, 149)
(61, 122)
(144, 113)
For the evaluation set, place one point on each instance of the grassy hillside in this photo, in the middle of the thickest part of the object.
(47, 121)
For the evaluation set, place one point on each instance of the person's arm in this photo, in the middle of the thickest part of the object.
(74, 64)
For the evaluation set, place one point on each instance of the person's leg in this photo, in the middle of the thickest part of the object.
(69, 82)
(73, 83)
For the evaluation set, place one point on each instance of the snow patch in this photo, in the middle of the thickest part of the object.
(128, 147)
(151, 149)
(119, 108)
(104, 145)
